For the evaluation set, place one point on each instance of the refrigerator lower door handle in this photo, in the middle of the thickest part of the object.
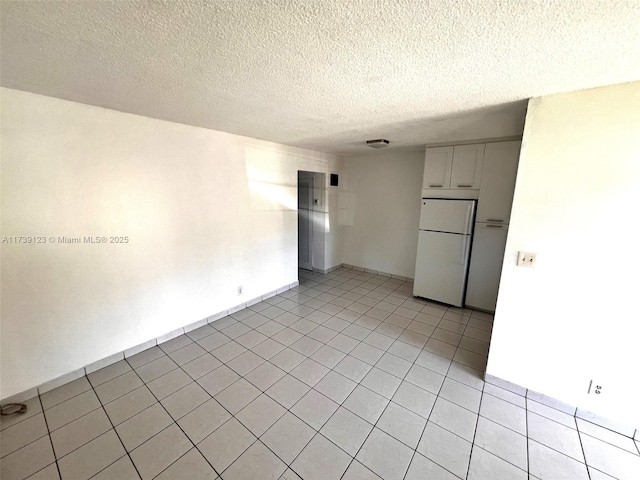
(464, 250)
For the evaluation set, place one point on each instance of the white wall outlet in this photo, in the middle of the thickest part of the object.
(526, 259)
(595, 388)
(240, 290)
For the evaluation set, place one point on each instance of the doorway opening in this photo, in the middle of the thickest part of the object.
(305, 219)
(312, 220)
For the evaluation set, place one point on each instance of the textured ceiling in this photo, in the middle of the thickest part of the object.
(324, 74)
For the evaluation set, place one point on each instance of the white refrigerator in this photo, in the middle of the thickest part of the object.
(444, 244)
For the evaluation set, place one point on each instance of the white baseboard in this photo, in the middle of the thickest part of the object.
(105, 362)
(61, 380)
(376, 272)
(572, 410)
(30, 393)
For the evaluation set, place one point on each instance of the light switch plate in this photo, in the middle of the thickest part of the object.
(526, 259)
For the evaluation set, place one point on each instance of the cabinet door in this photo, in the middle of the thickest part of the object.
(437, 167)
(467, 166)
(499, 171)
(487, 254)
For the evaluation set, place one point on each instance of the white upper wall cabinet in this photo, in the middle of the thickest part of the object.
(486, 172)
(437, 168)
(467, 166)
(498, 179)
(457, 168)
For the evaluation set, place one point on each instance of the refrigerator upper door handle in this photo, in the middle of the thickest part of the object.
(469, 214)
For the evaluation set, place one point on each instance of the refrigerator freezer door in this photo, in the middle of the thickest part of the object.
(441, 267)
(454, 216)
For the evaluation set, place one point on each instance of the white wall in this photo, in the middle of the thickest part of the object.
(319, 219)
(204, 211)
(334, 231)
(379, 208)
(574, 317)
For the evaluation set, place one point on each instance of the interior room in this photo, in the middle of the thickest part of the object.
(319, 240)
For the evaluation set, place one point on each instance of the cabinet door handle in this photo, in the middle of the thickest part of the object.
(435, 185)
(465, 186)
(494, 226)
(494, 220)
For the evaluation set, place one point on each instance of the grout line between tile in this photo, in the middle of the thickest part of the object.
(288, 409)
(580, 433)
(558, 451)
(174, 422)
(584, 456)
(598, 426)
(526, 426)
(475, 432)
(46, 423)
(115, 431)
(577, 429)
(396, 289)
(415, 451)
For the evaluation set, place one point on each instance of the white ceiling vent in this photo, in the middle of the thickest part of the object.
(378, 143)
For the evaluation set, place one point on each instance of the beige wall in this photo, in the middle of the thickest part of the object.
(379, 208)
(204, 212)
(573, 317)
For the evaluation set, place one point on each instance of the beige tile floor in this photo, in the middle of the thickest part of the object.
(346, 376)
